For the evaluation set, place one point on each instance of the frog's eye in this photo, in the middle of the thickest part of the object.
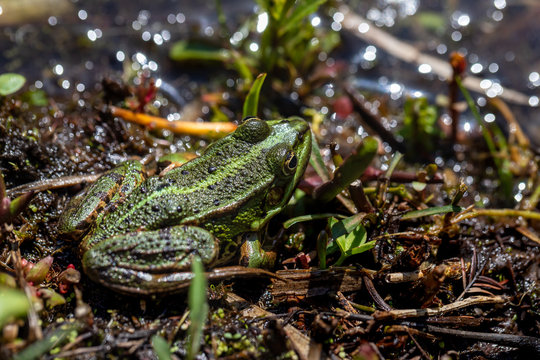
(252, 130)
(291, 161)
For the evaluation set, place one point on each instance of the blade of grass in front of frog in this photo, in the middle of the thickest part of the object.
(198, 307)
(161, 347)
(502, 163)
(437, 210)
(251, 104)
(351, 169)
(287, 224)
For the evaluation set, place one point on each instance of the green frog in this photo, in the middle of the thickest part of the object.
(140, 234)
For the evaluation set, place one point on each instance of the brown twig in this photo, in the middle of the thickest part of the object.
(519, 341)
(374, 294)
(408, 53)
(197, 128)
(372, 120)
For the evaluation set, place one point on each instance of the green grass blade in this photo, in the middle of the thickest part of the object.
(161, 348)
(294, 21)
(198, 307)
(184, 51)
(251, 104)
(287, 224)
(437, 210)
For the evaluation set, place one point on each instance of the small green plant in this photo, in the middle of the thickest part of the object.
(350, 237)
(419, 125)
(281, 41)
(10, 83)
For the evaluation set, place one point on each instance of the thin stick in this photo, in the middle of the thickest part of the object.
(197, 128)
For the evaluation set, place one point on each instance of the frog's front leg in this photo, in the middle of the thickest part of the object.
(253, 255)
(150, 262)
(85, 208)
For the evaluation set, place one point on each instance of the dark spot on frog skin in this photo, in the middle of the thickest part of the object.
(216, 202)
(155, 208)
(219, 153)
(162, 186)
(211, 187)
(143, 190)
(179, 209)
(211, 169)
(184, 172)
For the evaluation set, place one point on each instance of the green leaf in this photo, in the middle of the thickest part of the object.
(198, 307)
(251, 103)
(13, 303)
(11, 83)
(316, 160)
(36, 97)
(431, 211)
(287, 224)
(161, 348)
(37, 274)
(353, 243)
(184, 51)
(363, 247)
(351, 169)
(51, 297)
(352, 240)
(294, 21)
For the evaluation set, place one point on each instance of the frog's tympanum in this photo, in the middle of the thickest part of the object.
(140, 235)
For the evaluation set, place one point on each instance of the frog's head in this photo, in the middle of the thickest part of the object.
(285, 147)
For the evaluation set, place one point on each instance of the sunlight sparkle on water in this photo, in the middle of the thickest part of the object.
(363, 28)
(262, 22)
(489, 118)
(424, 68)
(534, 78)
(476, 68)
(58, 69)
(82, 14)
(499, 4)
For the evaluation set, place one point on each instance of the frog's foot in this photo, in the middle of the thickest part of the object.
(114, 185)
(253, 255)
(150, 262)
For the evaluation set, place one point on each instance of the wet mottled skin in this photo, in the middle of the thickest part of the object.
(140, 234)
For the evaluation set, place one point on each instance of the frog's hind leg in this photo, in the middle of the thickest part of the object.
(114, 185)
(150, 262)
